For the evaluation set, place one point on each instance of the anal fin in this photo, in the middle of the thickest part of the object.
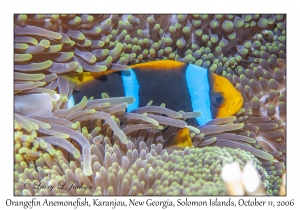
(181, 139)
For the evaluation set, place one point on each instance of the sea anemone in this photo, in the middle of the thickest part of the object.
(137, 171)
(97, 138)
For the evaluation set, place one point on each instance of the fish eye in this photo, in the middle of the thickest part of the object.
(217, 99)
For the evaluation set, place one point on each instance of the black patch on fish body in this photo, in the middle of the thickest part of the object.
(164, 86)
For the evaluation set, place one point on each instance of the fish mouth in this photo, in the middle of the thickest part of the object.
(236, 106)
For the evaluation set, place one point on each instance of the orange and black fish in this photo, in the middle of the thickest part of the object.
(180, 86)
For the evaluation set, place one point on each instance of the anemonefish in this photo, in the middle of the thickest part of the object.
(179, 85)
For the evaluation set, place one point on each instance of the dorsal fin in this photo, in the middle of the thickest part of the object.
(80, 81)
(159, 65)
